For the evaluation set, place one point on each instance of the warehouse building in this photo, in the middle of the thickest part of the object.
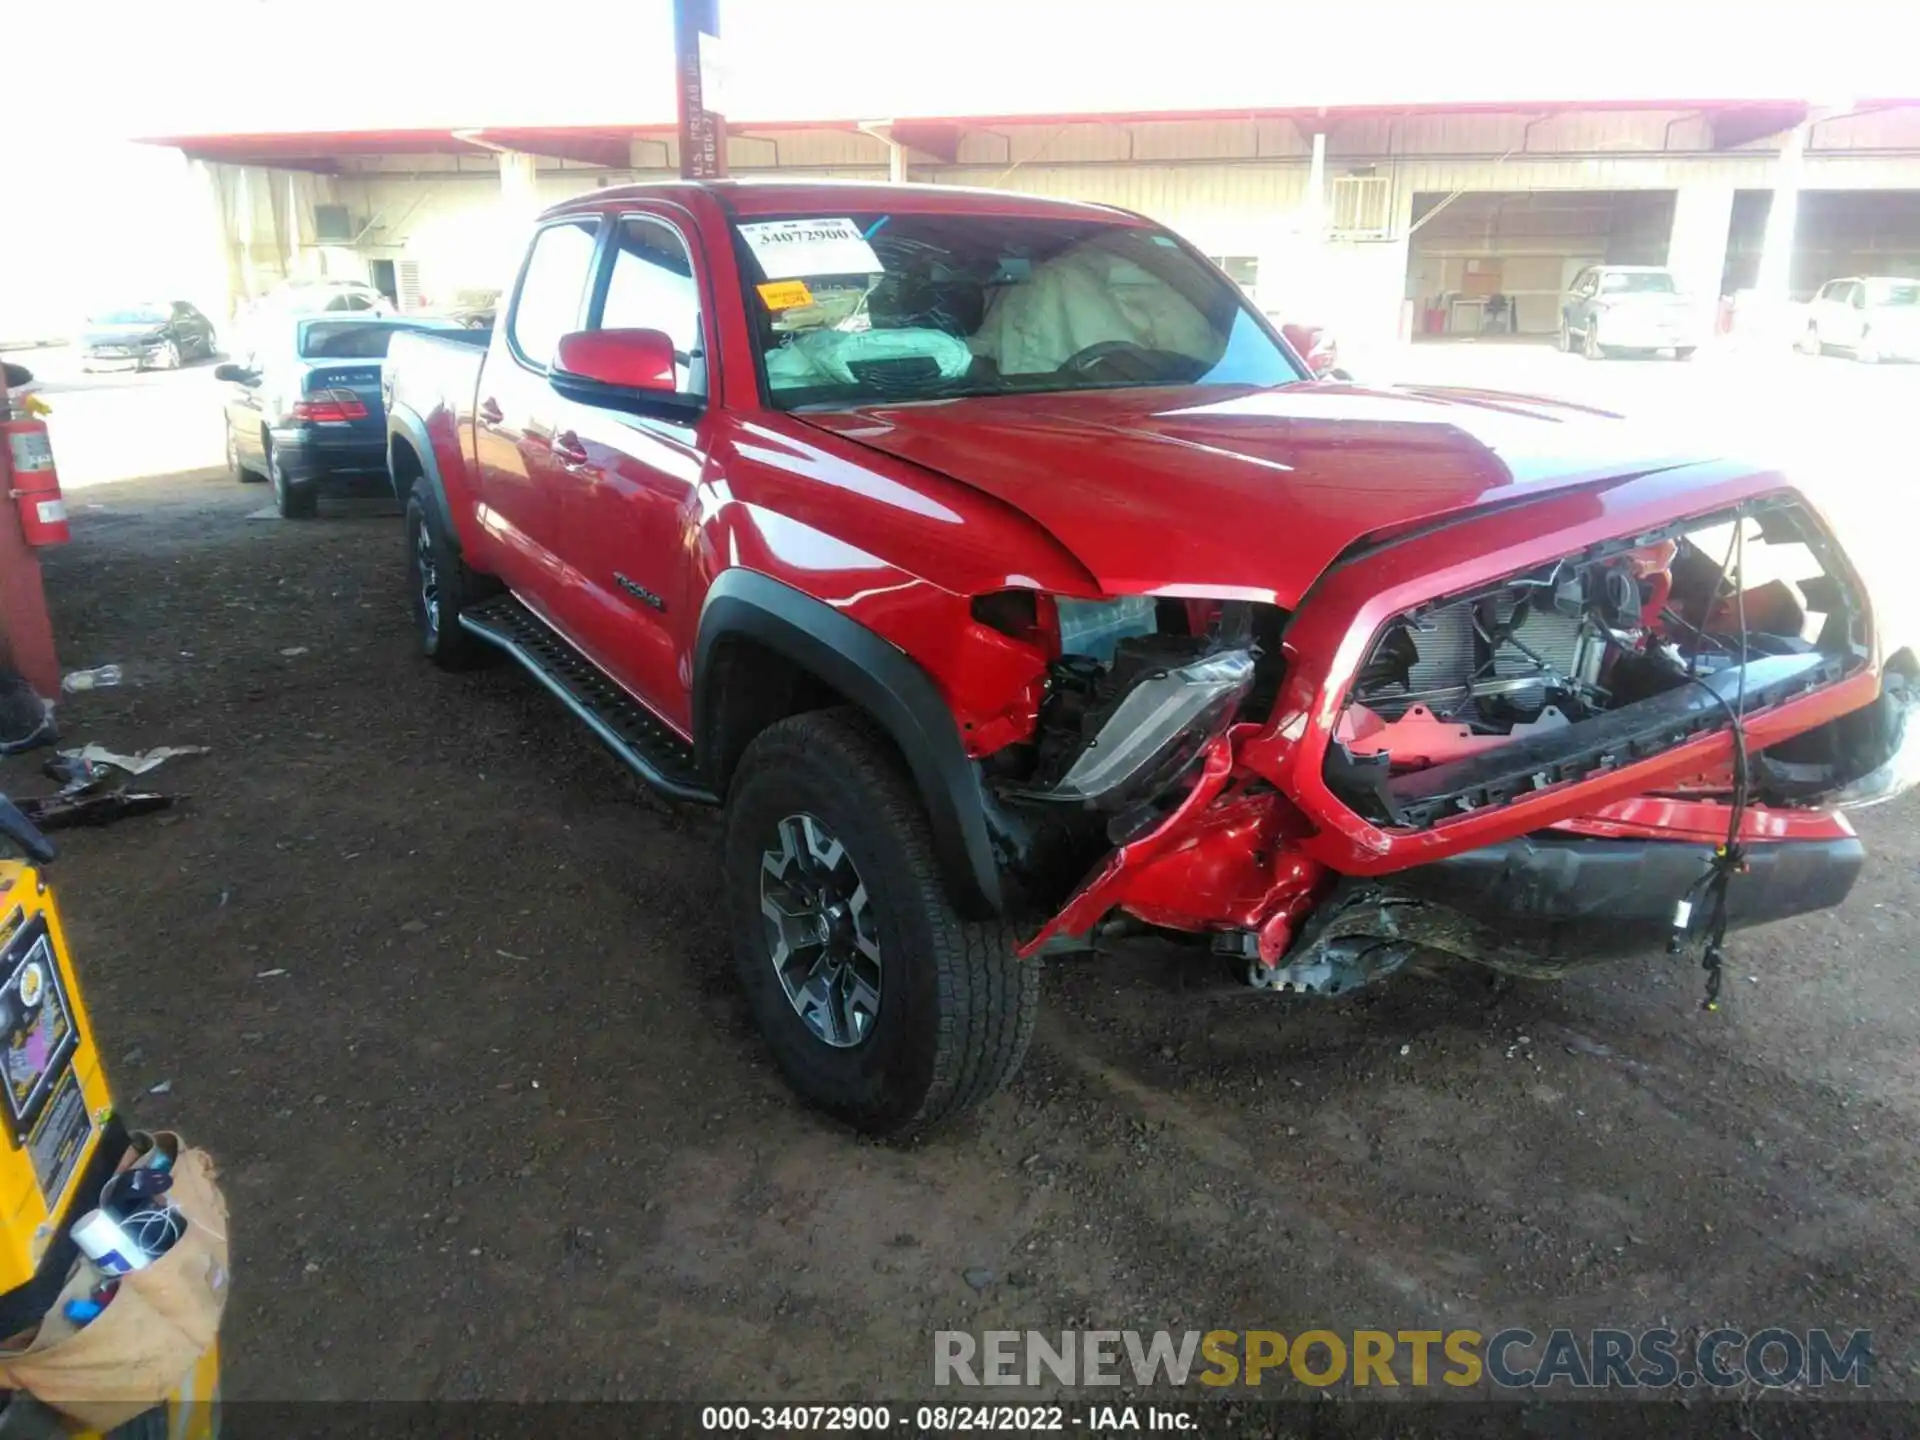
(1429, 220)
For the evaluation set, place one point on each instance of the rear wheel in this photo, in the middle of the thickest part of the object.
(880, 1004)
(441, 587)
(294, 500)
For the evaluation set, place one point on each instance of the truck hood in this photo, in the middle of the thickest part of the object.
(1249, 494)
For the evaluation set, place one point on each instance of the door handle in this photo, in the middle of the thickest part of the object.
(490, 412)
(568, 449)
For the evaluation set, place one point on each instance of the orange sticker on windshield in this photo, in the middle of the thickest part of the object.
(786, 294)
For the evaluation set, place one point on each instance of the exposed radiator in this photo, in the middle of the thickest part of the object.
(1450, 656)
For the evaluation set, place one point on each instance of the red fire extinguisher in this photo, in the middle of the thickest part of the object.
(35, 485)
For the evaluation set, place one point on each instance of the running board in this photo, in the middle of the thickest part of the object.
(652, 751)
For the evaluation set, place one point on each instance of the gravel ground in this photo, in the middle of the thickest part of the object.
(449, 1000)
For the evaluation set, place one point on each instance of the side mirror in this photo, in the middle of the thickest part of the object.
(238, 374)
(621, 359)
(1313, 346)
(620, 370)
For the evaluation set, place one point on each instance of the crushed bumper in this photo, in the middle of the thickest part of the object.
(1542, 905)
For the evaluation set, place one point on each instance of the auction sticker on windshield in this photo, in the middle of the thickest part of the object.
(786, 248)
(785, 294)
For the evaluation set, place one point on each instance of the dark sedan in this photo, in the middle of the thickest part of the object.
(306, 412)
(159, 336)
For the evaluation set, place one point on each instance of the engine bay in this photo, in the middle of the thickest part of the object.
(1588, 654)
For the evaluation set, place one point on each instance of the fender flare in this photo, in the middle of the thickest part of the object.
(403, 423)
(884, 682)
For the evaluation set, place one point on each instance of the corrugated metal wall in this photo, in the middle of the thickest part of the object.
(1233, 187)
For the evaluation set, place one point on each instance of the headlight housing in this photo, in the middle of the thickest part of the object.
(1160, 723)
(1132, 698)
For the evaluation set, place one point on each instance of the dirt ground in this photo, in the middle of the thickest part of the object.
(449, 1000)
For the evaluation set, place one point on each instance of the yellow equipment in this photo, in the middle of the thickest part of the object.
(62, 1143)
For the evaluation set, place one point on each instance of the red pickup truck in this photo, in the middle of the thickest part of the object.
(1006, 578)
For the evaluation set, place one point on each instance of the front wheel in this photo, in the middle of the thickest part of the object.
(235, 467)
(880, 1004)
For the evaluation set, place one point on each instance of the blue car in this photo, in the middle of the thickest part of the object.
(305, 410)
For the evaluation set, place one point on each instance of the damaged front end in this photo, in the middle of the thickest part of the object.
(1519, 738)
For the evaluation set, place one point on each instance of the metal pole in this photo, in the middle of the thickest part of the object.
(703, 131)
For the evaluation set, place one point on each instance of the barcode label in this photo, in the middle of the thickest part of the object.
(32, 450)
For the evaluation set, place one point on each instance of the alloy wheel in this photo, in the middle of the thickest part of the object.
(820, 932)
(428, 578)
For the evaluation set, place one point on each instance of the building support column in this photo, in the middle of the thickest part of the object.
(1316, 207)
(1775, 279)
(519, 204)
(1697, 247)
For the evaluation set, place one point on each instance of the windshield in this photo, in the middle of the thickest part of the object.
(857, 309)
(1637, 282)
(133, 315)
(345, 340)
(1893, 292)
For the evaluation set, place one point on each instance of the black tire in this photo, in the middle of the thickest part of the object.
(440, 595)
(234, 466)
(294, 502)
(956, 1006)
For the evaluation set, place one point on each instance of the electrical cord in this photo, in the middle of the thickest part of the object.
(1730, 858)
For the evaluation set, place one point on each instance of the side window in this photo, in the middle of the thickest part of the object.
(1584, 283)
(1857, 295)
(652, 287)
(552, 289)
